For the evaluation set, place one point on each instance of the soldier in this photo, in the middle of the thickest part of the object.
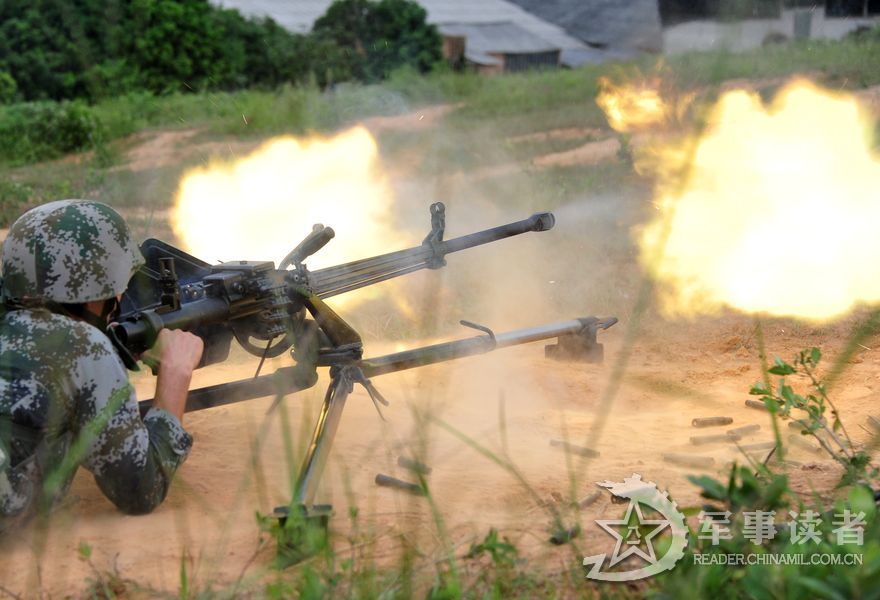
(65, 399)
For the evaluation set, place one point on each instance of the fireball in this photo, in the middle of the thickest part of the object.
(261, 206)
(772, 209)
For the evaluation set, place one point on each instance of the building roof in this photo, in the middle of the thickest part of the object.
(620, 24)
(500, 38)
(575, 57)
(300, 15)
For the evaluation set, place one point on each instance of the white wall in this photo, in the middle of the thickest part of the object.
(744, 35)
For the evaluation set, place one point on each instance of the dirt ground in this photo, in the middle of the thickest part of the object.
(674, 371)
(693, 370)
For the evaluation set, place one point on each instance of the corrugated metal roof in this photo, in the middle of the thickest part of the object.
(481, 58)
(626, 24)
(503, 38)
(299, 15)
(591, 56)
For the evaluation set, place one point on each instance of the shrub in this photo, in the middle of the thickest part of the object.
(14, 197)
(93, 49)
(43, 130)
(8, 88)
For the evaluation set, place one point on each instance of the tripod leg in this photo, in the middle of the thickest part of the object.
(322, 439)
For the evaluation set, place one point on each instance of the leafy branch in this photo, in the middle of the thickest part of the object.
(814, 404)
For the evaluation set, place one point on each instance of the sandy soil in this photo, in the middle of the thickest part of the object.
(675, 371)
(590, 153)
(568, 133)
(238, 464)
(157, 149)
(418, 120)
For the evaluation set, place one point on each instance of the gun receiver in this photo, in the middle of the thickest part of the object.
(249, 300)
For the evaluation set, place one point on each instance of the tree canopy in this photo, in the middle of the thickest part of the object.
(65, 49)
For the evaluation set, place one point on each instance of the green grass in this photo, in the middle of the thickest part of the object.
(549, 99)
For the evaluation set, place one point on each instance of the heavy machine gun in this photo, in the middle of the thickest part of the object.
(270, 310)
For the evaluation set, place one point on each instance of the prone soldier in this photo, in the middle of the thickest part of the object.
(65, 398)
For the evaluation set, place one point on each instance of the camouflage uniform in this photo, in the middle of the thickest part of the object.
(65, 399)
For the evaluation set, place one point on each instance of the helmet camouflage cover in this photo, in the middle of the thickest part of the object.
(69, 251)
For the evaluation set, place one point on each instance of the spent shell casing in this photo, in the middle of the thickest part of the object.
(793, 464)
(711, 421)
(413, 465)
(565, 535)
(756, 404)
(574, 449)
(690, 460)
(393, 482)
(744, 430)
(798, 425)
(590, 499)
(804, 424)
(802, 442)
(759, 446)
(699, 440)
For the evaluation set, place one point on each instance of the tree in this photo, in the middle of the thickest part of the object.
(65, 49)
(375, 38)
(8, 88)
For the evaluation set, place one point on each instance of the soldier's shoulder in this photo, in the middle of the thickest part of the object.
(45, 328)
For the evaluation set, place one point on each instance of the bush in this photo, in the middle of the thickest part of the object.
(8, 88)
(42, 130)
(93, 49)
(14, 197)
(378, 38)
(96, 49)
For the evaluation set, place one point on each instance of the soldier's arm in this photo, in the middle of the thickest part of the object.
(133, 461)
(178, 353)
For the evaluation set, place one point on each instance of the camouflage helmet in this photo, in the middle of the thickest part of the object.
(69, 251)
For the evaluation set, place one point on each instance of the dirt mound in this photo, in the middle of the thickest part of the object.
(591, 153)
(568, 133)
(417, 120)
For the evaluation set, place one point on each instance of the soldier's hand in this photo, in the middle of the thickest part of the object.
(179, 354)
(179, 349)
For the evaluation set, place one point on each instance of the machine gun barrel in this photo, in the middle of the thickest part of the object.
(361, 273)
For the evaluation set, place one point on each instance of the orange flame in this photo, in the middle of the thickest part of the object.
(776, 212)
(261, 206)
(634, 107)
